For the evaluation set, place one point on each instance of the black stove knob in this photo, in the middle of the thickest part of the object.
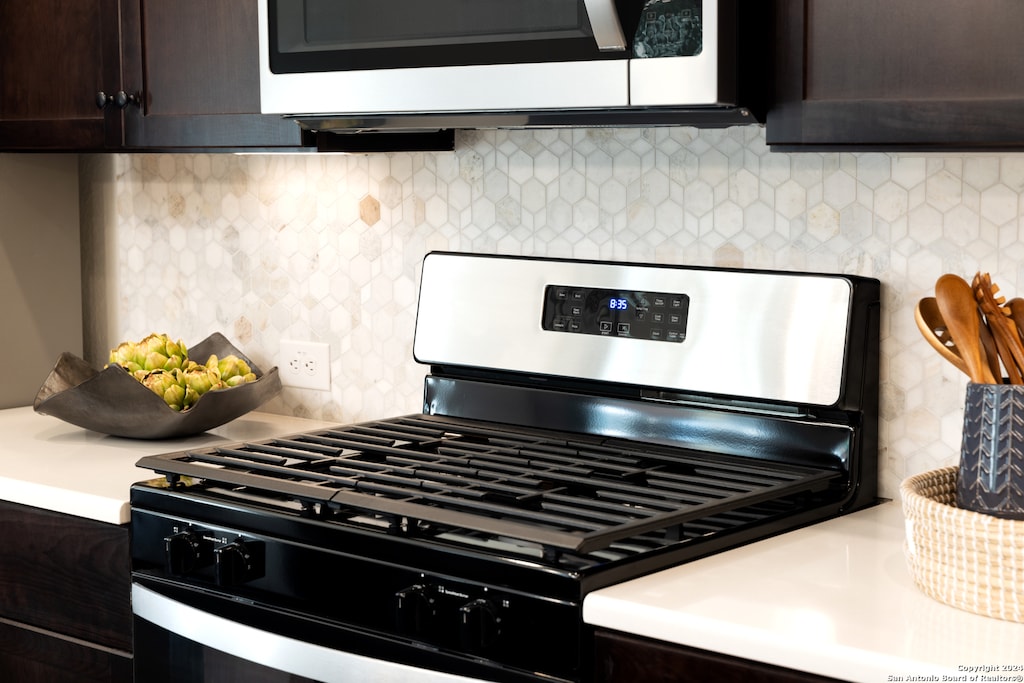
(479, 625)
(238, 562)
(415, 610)
(184, 553)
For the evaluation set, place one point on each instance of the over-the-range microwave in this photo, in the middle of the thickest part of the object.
(413, 64)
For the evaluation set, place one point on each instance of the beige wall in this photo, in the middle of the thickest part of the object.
(40, 270)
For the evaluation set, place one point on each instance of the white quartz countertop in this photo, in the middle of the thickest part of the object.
(50, 464)
(833, 599)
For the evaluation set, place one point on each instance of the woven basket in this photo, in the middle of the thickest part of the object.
(965, 559)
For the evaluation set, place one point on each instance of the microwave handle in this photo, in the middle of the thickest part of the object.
(604, 21)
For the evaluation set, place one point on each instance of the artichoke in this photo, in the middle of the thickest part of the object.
(200, 378)
(163, 366)
(231, 368)
(155, 352)
(167, 386)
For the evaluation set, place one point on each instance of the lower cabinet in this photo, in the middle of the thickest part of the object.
(65, 598)
(621, 658)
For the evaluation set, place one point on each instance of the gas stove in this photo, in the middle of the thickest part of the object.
(583, 423)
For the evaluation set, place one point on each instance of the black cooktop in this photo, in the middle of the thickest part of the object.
(560, 491)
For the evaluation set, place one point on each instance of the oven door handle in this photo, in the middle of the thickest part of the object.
(604, 21)
(272, 650)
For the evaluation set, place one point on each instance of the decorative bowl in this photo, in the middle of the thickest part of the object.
(111, 401)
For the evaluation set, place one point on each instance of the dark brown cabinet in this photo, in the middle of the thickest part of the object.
(54, 57)
(65, 598)
(134, 75)
(914, 74)
(622, 658)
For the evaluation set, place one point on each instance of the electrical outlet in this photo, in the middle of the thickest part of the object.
(306, 365)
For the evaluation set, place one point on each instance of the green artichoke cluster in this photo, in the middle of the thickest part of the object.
(163, 366)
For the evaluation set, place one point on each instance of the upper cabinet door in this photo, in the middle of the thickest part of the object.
(913, 74)
(94, 75)
(56, 58)
(195, 64)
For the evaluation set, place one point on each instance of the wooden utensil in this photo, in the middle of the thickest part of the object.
(988, 345)
(959, 310)
(1016, 308)
(1004, 330)
(933, 328)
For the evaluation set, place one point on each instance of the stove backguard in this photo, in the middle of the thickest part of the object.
(771, 337)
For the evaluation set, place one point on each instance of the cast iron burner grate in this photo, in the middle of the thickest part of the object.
(565, 492)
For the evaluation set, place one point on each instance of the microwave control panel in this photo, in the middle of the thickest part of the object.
(656, 316)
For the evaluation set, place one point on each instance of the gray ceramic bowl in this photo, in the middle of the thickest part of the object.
(111, 401)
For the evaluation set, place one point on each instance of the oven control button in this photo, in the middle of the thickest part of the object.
(415, 610)
(479, 625)
(185, 552)
(238, 562)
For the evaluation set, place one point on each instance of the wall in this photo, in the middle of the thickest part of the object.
(40, 271)
(327, 248)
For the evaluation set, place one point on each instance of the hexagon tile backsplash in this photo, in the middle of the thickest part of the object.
(327, 248)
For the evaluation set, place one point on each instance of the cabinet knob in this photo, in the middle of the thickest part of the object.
(123, 99)
(120, 99)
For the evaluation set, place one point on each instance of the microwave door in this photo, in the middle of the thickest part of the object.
(354, 35)
(335, 57)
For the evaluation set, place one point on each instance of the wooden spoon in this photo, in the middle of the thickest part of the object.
(1016, 308)
(935, 332)
(959, 309)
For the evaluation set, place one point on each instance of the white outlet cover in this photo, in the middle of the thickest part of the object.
(305, 365)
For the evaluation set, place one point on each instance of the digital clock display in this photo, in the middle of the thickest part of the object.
(618, 304)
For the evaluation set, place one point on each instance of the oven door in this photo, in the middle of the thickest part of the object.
(185, 635)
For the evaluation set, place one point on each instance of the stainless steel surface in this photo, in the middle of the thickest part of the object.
(489, 87)
(770, 336)
(274, 651)
(604, 21)
(589, 87)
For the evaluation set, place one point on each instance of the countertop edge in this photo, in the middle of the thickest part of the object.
(728, 638)
(832, 599)
(77, 503)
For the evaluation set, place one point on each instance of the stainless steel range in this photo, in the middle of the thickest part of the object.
(583, 423)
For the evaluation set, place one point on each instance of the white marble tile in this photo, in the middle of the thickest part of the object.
(328, 247)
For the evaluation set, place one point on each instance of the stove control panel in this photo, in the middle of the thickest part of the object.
(230, 559)
(474, 615)
(356, 583)
(656, 316)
